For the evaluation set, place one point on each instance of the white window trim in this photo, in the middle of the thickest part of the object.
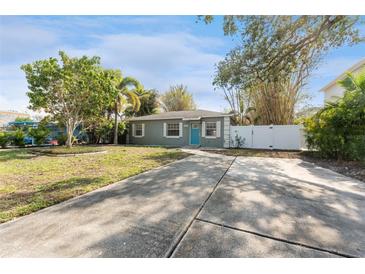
(206, 128)
(135, 130)
(172, 137)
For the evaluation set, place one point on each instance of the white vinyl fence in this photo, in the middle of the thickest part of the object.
(285, 137)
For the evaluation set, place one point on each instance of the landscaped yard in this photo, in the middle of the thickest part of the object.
(29, 182)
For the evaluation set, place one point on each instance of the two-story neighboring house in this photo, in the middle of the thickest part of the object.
(333, 90)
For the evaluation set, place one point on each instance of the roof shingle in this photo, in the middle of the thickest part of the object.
(190, 114)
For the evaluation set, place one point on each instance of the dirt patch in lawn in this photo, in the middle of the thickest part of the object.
(64, 151)
(354, 169)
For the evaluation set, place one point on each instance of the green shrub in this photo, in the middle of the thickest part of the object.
(4, 139)
(39, 134)
(18, 137)
(338, 130)
(61, 139)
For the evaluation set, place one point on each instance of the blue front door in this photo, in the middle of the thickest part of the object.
(195, 134)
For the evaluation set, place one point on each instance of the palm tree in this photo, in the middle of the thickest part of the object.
(177, 98)
(354, 83)
(127, 96)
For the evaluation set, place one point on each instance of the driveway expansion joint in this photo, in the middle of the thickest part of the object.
(175, 244)
(276, 238)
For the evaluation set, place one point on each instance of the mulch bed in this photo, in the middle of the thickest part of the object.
(354, 169)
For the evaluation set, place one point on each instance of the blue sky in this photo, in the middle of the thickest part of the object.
(158, 50)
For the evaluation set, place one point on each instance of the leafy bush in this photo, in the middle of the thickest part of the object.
(104, 129)
(61, 139)
(4, 139)
(18, 137)
(39, 134)
(23, 119)
(338, 130)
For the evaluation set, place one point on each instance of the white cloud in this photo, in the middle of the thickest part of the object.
(157, 60)
(160, 60)
(20, 41)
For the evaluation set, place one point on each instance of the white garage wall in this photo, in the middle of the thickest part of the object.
(284, 137)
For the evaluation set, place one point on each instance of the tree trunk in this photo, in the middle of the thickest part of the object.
(116, 126)
(69, 132)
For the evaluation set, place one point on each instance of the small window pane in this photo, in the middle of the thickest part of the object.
(211, 129)
(173, 129)
(138, 130)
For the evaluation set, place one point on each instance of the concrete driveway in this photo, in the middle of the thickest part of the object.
(269, 207)
(206, 205)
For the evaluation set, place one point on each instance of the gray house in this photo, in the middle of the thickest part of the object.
(181, 128)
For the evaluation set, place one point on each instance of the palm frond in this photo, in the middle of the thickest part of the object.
(134, 100)
(129, 88)
(348, 82)
(129, 82)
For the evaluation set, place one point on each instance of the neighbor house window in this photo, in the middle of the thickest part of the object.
(173, 129)
(211, 129)
(138, 130)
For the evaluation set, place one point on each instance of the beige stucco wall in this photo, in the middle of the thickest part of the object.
(335, 91)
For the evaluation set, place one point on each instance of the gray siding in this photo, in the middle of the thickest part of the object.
(153, 133)
(216, 142)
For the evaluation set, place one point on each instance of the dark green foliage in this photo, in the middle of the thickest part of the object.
(39, 134)
(149, 103)
(61, 139)
(17, 137)
(5, 139)
(338, 130)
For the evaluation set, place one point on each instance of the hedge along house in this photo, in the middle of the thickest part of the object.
(181, 128)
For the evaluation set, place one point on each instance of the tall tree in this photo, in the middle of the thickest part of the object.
(177, 98)
(125, 97)
(69, 89)
(149, 103)
(276, 56)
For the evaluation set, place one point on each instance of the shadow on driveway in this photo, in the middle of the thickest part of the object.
(138, 217)
(294, 201)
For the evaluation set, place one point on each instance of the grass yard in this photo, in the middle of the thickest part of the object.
(29, 182)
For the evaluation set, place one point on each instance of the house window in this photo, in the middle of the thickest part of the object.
(138, 130)
(173, 129)
(211, 129)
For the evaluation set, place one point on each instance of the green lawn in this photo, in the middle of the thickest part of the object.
(29, 182)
